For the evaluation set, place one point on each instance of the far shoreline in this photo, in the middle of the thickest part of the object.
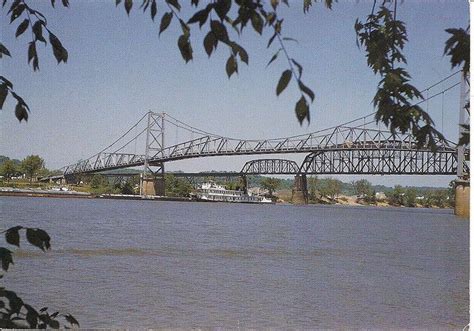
(35, 193)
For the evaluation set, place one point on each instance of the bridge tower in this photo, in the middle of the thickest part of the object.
(462, 194)
(152, 181)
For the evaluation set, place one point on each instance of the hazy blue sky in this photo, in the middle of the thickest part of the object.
(118, 69)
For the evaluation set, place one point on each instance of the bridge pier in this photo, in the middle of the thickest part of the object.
(152, 185)
(70, 179)
(245, 183)
(299, 194)
(147, 186)
(461, 200)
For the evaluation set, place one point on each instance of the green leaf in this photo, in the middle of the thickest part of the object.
(257, 22)
(32, 55)
(38, 31)
(60, 53)
(117, 2)
(31, 316)
(22, 27)
(328, 3)
(31, 51)
(174, 3)
(231, 66)
(185, 48)
(290, 39)
(271, 40)
(219, 30)
(237, 49)
(185, 28)
(54, 324)
(12, 236)
(274, 57)
(38, 238)
(3, 94)
(165, 21)
(128, 6)
(200, 16)
(20, 112)
(6, 257)
(283, 82)
(17, 12)
(300, 68)
(222, 7)
(15, 4)
(210, 43)
(457, 47)
(275, 4)
(19, 99)
(6, 81)
(71, 319)
(153, 10)
(4, 50)
(14, 301)
(306, 90)
(244, 57)
(145, 5)
(302, 110)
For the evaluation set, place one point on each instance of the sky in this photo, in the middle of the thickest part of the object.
(119, 68)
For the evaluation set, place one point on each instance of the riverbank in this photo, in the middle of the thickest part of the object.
(34, 192)
(40, 193)
(284, 196)
(342, 200)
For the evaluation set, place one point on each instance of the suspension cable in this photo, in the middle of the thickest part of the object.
(129, 142)
(123, 135)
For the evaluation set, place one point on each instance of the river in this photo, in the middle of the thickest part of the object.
(149, 264)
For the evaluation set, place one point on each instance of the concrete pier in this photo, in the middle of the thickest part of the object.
(244, 182)
(461, 200)
(299, 194)
(152, 185)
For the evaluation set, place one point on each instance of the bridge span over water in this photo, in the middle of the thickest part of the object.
(356, 147)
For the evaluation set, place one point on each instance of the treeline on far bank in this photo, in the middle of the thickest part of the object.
(30, 168)
(330, 190)
(320, 190)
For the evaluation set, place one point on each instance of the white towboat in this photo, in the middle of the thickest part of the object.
(218, 193)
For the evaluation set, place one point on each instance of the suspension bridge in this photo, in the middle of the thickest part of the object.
(344, 149)
(359, 146)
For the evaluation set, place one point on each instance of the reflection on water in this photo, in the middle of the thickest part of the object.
(170, 264)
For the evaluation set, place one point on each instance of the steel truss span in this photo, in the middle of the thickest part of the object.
(382, 162)
(361, 148)
(270, 166)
